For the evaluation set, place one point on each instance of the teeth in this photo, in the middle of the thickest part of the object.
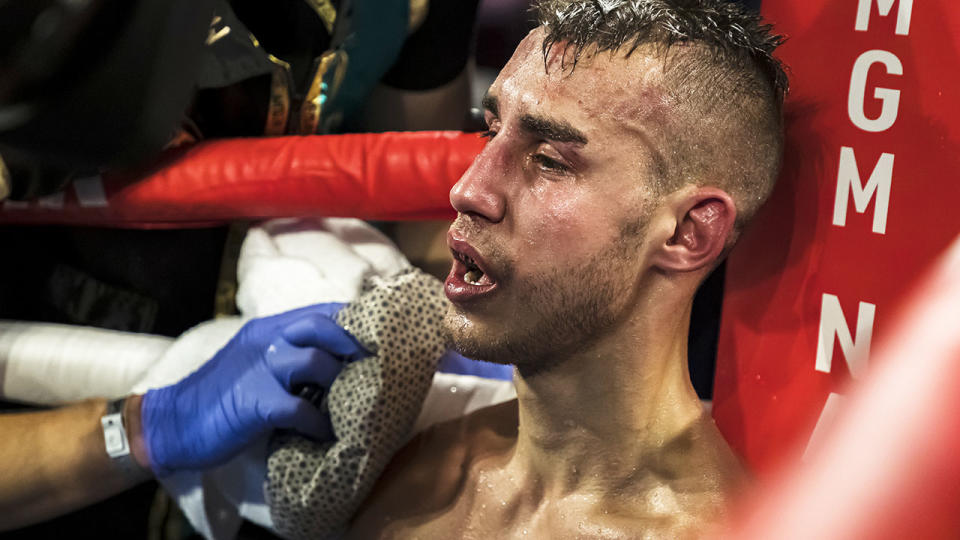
(473, 277)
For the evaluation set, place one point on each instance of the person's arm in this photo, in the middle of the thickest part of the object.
(55, 461)
(52, 462)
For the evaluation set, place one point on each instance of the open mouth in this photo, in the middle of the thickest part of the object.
(469, 277)
(473, 274)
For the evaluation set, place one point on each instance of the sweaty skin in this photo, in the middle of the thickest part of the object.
(588, 283)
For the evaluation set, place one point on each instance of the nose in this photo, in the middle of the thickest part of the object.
(480, 191)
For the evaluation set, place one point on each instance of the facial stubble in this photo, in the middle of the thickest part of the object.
(557, 314)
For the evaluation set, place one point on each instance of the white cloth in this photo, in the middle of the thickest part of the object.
(50, 364)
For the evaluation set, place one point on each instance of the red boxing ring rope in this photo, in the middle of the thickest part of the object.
(384, 176)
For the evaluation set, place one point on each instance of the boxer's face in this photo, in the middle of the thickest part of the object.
(550, 234)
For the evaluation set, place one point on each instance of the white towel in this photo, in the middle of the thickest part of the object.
(51, 364)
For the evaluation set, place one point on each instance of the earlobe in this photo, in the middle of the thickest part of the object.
(705, 219)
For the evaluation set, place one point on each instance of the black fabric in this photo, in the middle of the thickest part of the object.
(501, 26)
(160, 282)
(230, 55)
(238, 110)
(287, 29)
(704, 332)
(233, 93)
(438, 51)
(83, 299)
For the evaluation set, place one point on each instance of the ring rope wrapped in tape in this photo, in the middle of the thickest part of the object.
(313, 489)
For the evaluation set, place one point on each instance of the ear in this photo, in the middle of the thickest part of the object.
(704, 221)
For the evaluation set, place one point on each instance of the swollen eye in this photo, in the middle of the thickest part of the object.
(549, 162)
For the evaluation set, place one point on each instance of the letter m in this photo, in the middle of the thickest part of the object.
(848, 180)
(884, 6)
(833, 324)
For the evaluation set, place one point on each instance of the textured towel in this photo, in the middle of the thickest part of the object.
(313, 489)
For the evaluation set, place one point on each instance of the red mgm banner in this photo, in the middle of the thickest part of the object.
(868, 199)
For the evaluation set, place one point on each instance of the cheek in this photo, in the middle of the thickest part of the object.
(559, 224)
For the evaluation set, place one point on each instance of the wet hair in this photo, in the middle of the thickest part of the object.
(719, 72)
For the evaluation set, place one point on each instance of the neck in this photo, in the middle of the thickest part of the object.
(600, 420)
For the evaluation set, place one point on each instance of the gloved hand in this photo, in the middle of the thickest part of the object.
(244, 390)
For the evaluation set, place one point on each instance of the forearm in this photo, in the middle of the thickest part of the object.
(55, 461)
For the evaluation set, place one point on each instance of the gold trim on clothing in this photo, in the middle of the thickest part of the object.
(418, 12)
(278, 108)
(326, 11)
(216, 35)
(312, 106)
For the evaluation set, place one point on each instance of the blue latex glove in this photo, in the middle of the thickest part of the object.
(243, 392)
(453, 362)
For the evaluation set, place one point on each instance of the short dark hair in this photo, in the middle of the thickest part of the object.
(729, 75)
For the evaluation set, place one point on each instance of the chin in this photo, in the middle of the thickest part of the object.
(474, 339)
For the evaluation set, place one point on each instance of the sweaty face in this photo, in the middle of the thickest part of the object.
(549, 240)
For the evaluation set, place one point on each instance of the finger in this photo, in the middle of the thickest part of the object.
(328, 309)
(321, 369)
(293, 366)
(321, 332)
(297, 414)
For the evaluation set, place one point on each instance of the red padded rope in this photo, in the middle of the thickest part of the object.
(383, 176)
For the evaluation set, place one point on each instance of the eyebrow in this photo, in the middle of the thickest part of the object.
(542, 126)
(554, 130)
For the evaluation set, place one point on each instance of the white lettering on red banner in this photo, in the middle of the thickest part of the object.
(877, 188)
(858, 90)
(856, 350)
(883, 6)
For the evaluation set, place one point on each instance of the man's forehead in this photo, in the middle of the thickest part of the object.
(608, 84)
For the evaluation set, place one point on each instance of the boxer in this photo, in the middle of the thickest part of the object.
(631, 141)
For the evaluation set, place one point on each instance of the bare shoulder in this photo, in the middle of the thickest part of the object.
(724, 472)
(430, 470)
(694, 481)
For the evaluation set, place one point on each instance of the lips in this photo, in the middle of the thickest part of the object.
(470, 278)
